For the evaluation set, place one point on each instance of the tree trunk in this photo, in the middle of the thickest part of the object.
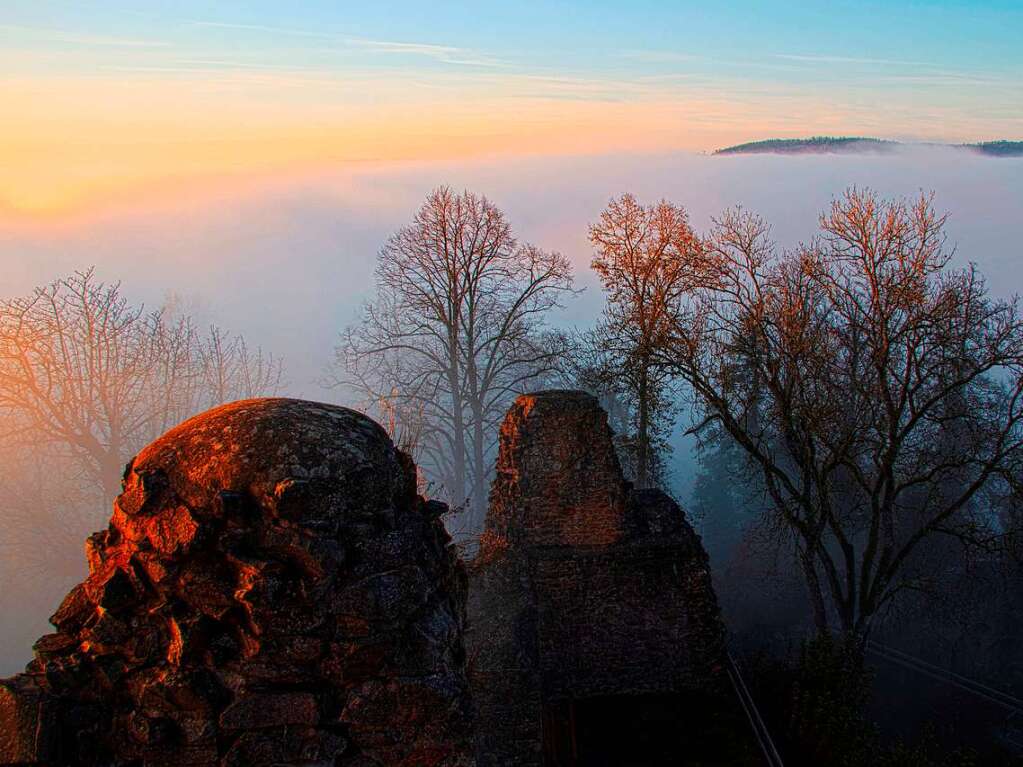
(813, 587)
(458, 492)
(642, 435)
(479, 492)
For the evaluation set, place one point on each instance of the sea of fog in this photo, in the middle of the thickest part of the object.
(287, 261)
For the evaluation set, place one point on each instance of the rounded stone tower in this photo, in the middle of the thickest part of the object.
(270, 590)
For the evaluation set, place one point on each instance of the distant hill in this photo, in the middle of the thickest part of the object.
(857, 144)
(997, 148)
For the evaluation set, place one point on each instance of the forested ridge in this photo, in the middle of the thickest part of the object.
(852, 144)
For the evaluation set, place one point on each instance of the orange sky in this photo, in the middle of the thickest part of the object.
(65, 143)
(73, 141)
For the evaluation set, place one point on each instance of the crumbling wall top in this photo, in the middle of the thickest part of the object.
(558, 480)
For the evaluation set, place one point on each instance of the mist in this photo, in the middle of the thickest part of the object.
(288, 260)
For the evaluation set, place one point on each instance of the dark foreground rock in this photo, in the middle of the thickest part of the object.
(589, 603)
(271, 590)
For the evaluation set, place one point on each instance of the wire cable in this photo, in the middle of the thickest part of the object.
(940, 674)
(760, 732)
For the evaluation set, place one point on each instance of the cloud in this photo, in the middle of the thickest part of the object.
(445, 54)
(263, 28)
(233, 66)
(658, 57)
(946, 78)
(37, 34)
(812, 59)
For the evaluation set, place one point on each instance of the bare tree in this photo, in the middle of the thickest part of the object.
(648, 258)
(593, 365)
(76, 361)
(455, 331)
(230, 370)
(83, 369)
(877, 390)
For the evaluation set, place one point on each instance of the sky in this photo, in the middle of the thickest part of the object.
(102, 103)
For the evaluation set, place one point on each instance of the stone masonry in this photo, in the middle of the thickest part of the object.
(583, 586)
(270, 590)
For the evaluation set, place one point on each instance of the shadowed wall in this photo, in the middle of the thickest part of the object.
(582, 588)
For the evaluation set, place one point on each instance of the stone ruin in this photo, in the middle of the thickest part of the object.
(593, 622)
(272, 590)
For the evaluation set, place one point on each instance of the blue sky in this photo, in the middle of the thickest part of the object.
(967, 37)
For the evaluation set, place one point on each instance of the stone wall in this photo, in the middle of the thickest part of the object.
(270, 590)
(557, 479)
(583, 587)
(618, 622)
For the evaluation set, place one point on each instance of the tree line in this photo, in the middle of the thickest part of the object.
(869, 390)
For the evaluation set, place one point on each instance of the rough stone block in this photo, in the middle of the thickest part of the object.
(28, 723)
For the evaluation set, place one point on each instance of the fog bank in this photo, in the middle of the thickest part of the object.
(287, 261)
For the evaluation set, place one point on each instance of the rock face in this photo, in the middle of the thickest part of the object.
(583, 588)
(271, 590)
